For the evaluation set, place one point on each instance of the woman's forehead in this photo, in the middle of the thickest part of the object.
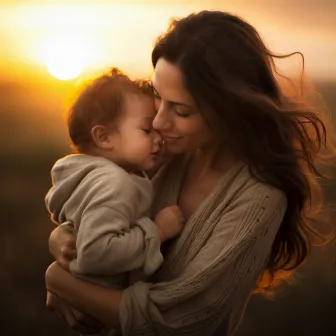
(168, 82)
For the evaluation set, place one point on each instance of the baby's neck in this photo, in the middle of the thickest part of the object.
(95, 151)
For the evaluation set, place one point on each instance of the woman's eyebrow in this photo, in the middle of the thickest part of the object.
(170, 101)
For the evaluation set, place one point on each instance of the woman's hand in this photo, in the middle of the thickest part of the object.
(77, 321)
(99, 302)
(62, 245)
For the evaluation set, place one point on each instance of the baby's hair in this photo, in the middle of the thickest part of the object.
(101, 103)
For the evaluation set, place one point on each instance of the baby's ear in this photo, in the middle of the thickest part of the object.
(102, 137)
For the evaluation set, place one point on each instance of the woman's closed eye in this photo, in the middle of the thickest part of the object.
(182, 115)
(158, 101)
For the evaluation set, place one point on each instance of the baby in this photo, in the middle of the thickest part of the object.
(103, 190)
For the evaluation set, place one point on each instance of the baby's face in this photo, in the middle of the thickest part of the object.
(137, 144)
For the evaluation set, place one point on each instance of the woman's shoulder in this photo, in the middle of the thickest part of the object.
(244, 186)
(247, 206)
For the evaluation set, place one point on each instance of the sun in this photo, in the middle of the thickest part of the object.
(65, 58)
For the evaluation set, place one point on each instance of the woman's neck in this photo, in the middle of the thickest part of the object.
(210, 159)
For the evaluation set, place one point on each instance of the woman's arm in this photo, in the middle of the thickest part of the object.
(78, 321)
(218, 280)
(62, 245)
(99, 302)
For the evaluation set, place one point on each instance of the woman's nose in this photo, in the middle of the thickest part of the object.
(160, 122)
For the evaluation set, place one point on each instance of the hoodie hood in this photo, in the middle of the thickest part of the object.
(67, 174)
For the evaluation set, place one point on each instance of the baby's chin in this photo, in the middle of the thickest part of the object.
(152, 165)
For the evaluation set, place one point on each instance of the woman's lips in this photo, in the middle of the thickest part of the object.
(170, 138)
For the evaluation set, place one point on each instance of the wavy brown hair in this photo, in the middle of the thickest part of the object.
(229, 71)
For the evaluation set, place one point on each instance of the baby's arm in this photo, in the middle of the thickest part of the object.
(106, 245)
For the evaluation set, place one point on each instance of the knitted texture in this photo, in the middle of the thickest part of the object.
(211, 269)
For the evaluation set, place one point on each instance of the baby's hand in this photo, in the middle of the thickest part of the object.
(170, 222)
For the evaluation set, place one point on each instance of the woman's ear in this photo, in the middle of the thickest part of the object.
(102, 137)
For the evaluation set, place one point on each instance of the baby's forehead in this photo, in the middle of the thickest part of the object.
(144, 117)
(138, 120)
(147, 119)
(139, 99)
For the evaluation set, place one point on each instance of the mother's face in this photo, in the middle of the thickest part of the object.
(180, 123)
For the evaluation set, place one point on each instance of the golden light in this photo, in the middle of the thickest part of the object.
(66, 58)
(69, 40)
(122, 33)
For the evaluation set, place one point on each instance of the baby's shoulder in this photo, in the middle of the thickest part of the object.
(111, 176)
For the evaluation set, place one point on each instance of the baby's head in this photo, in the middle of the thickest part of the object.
(112, 118)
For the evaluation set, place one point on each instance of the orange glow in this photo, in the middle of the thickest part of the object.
(68, 39)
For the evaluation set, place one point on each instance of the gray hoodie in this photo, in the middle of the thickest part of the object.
(108, 208)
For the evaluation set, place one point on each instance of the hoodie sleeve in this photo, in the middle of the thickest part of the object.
(108, 240)
(107, 245)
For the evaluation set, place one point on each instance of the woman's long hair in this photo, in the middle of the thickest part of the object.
(230, 72)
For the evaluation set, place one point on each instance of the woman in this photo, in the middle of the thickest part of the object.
(243, 171)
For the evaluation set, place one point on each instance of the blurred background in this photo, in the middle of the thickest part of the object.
(48, 48)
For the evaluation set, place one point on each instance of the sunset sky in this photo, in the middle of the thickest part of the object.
(66, 38)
